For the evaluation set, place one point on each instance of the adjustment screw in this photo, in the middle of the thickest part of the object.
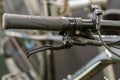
(77, 32)
(69, 77)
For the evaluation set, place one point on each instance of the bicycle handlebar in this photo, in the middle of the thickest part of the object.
(14, 21)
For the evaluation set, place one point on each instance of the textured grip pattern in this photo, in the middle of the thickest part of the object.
(13, 21)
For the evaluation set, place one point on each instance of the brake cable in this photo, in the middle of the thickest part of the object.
(99, 34)
(97, 14)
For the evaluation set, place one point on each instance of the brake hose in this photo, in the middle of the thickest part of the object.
(106, 46)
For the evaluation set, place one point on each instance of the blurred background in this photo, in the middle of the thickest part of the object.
(48, 65)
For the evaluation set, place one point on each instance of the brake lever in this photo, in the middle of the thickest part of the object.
(47, 47)
(65, 45)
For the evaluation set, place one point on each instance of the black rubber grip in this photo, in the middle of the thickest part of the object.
(14, 21)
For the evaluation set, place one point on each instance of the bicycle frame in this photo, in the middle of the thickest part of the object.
(95, 65)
